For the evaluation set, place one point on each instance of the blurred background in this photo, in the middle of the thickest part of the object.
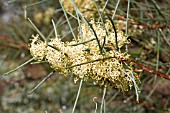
(149, 32)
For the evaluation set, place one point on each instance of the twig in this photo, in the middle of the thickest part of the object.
(163, 37)
(146, 68)
(90, 62)
(150, 70)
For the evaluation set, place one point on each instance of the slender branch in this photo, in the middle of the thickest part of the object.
(146, 68)
(150, 70)
(83, 42)
(164, 39)
(89, 62)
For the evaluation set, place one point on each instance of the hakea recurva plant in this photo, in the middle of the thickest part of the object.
(85, 59)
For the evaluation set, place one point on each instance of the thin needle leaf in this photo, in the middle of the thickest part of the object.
(55, 29)
(115, 9)
(97, 39)
(41, 82)
(67, 20)
(18, 67)
(39, 32)
(114, 28)
(78, 94)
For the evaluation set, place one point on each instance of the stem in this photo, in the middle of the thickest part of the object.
(90, 62)
(103, 98)
(78, 93)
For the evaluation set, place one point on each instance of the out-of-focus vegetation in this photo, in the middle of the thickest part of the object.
(148, 30)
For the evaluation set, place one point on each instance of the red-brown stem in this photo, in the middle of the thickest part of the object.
(151, 70)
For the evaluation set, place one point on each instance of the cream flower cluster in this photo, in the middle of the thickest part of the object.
(38, 48)
(84, 59)
(87, 7)
(101, 33)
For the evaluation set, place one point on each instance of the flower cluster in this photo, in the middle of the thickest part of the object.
(87, 7)
(38, 48)
(84, 59)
